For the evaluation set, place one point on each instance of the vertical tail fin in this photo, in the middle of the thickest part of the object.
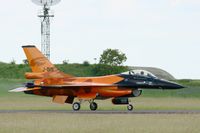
(37, 61)
(40, 64)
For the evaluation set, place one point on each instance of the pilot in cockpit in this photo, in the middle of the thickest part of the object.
(141, 72)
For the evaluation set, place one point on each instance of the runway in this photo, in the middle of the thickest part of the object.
(104, 112)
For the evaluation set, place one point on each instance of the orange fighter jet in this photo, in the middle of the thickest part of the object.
(64, 88)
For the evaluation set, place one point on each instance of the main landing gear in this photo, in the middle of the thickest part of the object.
(93, 106)
(77, 105)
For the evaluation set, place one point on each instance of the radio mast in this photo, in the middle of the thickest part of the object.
(45, 16)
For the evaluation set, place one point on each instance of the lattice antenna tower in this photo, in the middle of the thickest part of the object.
(45, 16)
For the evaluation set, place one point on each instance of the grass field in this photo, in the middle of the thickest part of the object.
(184, 99)
(82, 123)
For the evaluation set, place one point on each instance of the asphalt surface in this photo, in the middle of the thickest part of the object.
(105, 112)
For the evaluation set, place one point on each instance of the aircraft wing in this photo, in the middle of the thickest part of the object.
(81, 84)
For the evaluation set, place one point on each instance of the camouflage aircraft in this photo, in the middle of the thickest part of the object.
(64, 88)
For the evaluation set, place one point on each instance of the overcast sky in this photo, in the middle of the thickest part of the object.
(152, 33)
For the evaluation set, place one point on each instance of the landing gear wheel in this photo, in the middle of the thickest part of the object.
(93, 106)
(76, 106)
(130, 107)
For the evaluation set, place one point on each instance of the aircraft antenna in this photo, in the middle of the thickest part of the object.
(45, 15)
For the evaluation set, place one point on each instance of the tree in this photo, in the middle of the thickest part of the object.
(65, 62)
(112, 57)
(86, 63)
(103, 69)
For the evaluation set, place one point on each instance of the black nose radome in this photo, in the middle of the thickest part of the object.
(175, 86)
(165, 84)
(169, 85)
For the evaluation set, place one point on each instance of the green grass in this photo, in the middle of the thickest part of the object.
(76, 69)
(188, 82)
(83, 123)
(12, 71)
(17, 71)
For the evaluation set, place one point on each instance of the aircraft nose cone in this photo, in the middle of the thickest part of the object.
(176, 86)
(171, 85)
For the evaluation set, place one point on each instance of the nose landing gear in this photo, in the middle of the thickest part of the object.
(130, 107)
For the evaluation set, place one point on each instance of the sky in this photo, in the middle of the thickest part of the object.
(152, 33)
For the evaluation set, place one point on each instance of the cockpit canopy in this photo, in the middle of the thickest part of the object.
(140, 73)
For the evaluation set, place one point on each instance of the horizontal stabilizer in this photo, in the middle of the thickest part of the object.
(20, 89)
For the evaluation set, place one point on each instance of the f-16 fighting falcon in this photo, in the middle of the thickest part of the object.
(64, 88)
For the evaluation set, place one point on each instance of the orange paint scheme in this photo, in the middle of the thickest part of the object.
(54, 83)
(64, 88)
